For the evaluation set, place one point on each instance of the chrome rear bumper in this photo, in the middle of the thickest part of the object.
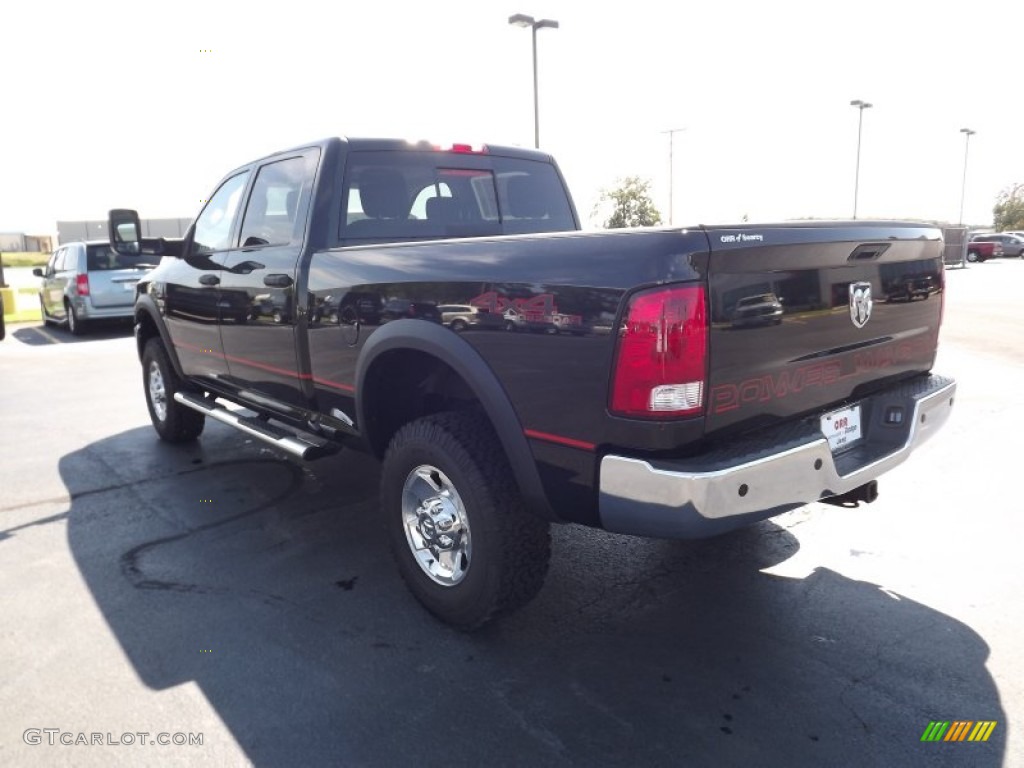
(767, 474)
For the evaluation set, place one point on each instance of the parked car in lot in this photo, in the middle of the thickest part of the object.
(763, 309)
(1013, 244)
(911, 286)
(461, 317)
(517, 319)
(398, 309)
(89, 281)
(983, 250)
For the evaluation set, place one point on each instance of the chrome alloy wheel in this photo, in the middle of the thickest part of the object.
(436, 525)
(157, 391)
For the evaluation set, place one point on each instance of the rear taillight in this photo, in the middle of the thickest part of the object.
(82, 285)
(661, 364)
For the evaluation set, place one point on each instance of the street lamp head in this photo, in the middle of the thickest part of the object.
(521, 20)
(862, 105)
(968, 131)
(546, 24)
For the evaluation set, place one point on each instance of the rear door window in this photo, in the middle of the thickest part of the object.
(275, 212)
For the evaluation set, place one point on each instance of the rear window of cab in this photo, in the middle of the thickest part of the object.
(394, 196)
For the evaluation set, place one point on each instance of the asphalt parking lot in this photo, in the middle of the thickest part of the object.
(223, 590)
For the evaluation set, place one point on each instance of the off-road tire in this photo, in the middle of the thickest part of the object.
(179, 424)
(511, 548)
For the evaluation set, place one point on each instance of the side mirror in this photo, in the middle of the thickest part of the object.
(125, 231)
(38, 272)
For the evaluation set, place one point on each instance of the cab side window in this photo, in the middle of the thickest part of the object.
(213, 227)
(273, 214)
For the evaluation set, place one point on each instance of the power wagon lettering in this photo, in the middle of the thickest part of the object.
(728, 397)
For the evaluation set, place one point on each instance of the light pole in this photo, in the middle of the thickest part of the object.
(967, 132)
(861, 105)
(522, 20)
(671, 168)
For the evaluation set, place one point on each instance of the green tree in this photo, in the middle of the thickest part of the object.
(1009, 209)
(631, 204)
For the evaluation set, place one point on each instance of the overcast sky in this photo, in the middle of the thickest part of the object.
(103, 106)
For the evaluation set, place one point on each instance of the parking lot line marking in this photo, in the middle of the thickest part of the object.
(47, 336)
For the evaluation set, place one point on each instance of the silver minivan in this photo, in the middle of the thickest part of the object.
(89, 281)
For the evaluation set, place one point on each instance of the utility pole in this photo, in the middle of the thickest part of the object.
(967, 132)
(671, 169)
(861, 105)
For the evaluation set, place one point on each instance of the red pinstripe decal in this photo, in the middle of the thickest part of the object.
(272, 368)
(559, 440)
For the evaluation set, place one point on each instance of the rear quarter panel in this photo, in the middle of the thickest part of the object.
(557, 382)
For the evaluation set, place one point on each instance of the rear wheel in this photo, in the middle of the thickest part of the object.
(174, 422)
(464, 543)
(76, 325)
(459, 326)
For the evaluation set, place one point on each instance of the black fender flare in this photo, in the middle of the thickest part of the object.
(145, 304)
(459, 355)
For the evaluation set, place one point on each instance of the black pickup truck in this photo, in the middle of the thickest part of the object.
(624, 387)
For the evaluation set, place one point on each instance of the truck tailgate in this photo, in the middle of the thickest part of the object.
(807, 317)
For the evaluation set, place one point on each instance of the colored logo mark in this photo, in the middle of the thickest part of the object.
(958, 730)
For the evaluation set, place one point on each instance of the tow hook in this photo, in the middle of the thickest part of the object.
(851, 499)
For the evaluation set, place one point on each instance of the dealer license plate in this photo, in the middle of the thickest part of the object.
(842, 428)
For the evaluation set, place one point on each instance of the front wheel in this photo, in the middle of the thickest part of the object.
(972, 256)
(173, 421)
(464, 543)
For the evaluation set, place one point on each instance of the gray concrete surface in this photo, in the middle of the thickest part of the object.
(221, 589)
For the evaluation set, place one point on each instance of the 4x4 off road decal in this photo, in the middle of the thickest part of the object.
(538, 309)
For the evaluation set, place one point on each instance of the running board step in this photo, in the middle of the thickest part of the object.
(301, 445)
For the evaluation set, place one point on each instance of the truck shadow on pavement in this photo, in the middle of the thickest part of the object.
(41, 336)
(269, 584)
